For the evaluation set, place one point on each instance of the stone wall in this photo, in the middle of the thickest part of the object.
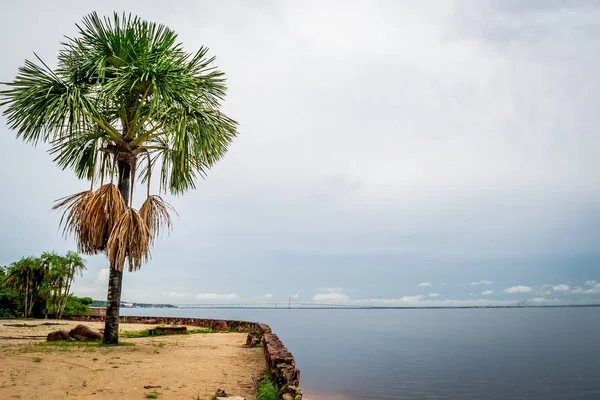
(280, 362)
(282, 367)
(98, 311)
(217, 324)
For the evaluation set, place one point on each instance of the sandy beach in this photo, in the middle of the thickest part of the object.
(185, 367)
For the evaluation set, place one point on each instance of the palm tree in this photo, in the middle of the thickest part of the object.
(73, 265)
(124, 94)
(60, 273)
(26, 277)
(55, 277)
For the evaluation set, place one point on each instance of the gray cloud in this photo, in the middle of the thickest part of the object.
(386, 145)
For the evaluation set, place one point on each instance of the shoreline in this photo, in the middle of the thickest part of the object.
(280, 363)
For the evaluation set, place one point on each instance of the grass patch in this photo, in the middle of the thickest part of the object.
(267, 390)
(37, 359)
(152, 395)
(260, 345)
(199, 330)
(136, 334)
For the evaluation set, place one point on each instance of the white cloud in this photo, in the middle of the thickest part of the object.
(541, 301)
(590, 283)
(295, 296)
(545, 290)
(561, 288)
(434, 295)
(333, 296)
(421, 301)
(424, 284)
(260, 298)
(518, 289)
(176, 294)
(102, 277)
(481, 283)
(487, 292)
(593, 290)
(217, 296)
(538, 300)
(329, 289)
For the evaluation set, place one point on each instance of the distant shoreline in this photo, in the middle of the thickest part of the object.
(284, 306)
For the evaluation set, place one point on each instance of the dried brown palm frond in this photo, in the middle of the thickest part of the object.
(100, 215)
(155, 213)
(130, 238)
(74, 207)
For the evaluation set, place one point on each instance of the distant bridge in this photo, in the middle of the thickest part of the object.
(273, 306)
(316, 306)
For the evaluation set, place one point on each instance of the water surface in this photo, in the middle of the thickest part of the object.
(479, 354)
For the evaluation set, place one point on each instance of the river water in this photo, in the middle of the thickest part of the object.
(534, 353)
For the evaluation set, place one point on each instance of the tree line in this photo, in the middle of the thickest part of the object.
(39, 286)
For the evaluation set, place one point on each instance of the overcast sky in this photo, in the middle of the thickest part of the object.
(403, 152)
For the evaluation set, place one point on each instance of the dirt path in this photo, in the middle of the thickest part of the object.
(186, 367)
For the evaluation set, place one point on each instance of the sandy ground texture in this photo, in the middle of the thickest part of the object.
(184, 366)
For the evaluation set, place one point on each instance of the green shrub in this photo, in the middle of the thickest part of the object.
(267, 390)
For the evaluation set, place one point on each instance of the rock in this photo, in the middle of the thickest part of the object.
(298, 397)
(253, 339)
(84, 334)
(221, 393)
(219, 326)
(287, 396)
(151, 321)
(57, 336)
(231, 398)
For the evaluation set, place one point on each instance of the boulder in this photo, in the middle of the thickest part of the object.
(58, 336)
(253, 339)
(287, 396)
(151, 321)
(219, 326)
(84, 334)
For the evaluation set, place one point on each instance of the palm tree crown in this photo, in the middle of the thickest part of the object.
(125, 87)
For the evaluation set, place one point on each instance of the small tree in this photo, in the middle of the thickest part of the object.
(60, 273)
(26, 277)
(10, 303)
(124, 94)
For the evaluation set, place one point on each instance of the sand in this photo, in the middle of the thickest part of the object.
(185, 367)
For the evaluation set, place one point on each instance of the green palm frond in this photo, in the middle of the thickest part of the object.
(125, 84)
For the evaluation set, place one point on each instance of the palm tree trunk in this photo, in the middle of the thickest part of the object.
(67, 290)
(54, 301)
(58, 298)
(115, 278)
(26, 294)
